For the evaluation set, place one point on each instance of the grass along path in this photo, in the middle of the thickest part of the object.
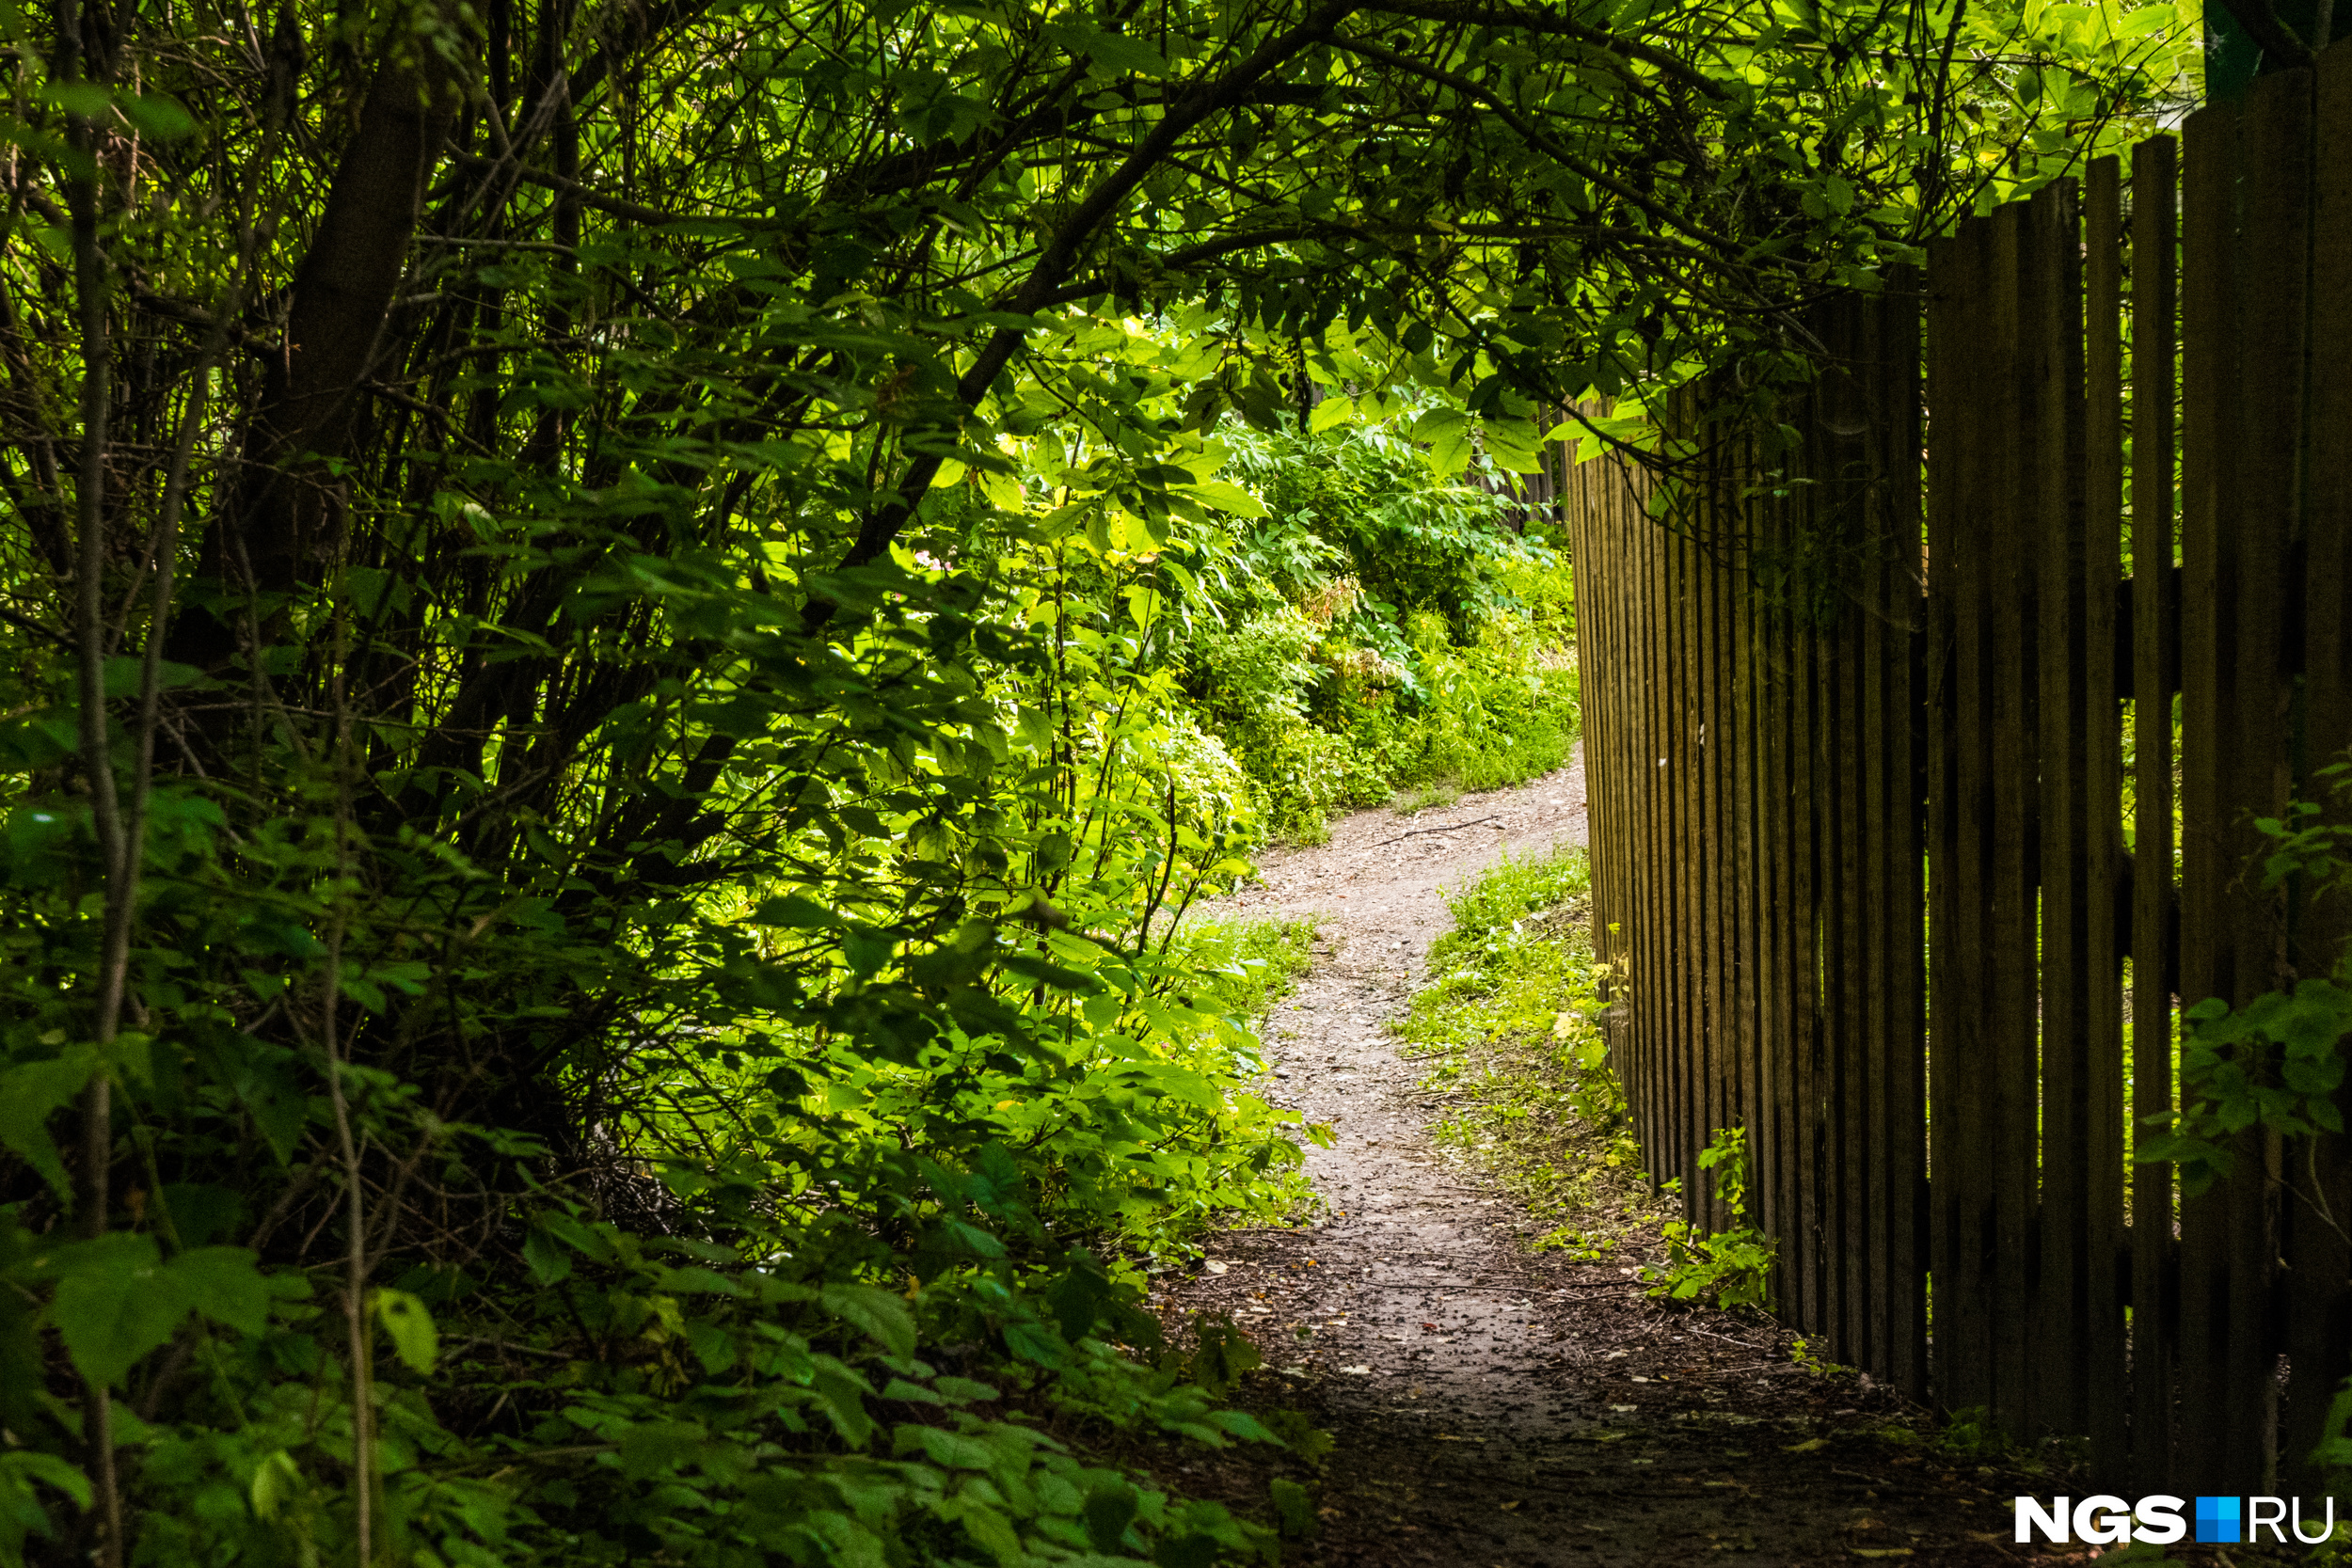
(1493, 1405)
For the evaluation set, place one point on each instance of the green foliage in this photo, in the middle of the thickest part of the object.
(2275, 1063)
(626, 642)
(1251, 963)
(1294, 1509)
(860, 1109)
(2334, 1453)
(1729, 1268)
(1377, 628)
(2278, 1061)
(1510, 1024)
(1974, 1433)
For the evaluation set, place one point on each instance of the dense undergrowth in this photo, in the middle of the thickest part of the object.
(816, 1232)
(629, 634)
(1378, 631)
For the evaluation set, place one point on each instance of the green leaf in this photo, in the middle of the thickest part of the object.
(225, 1285)
(29, 1465)
(549, 1265)
(713, 1346)
(277, 1481)
(85, 99)
(405, 1319)
(1331, 412)
(652, 1447)
(29, 1095)
(1241, 1424)
(1110, 1507)
(796, 910)
(950, 1450)
(1294, 1510)
(1447, 431)
(575, 1234)
(879, 1314)
(115, 1305)
(1226, 496)
(1036, 1345)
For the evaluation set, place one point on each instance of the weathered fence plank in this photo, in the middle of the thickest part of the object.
(1960, 392)
(2060, 862)
(2208, 331)
(2155, 675)
(2011, 1001)
(2318, 1338)
(2096, 808)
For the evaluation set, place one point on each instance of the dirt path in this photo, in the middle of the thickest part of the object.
(1494, 1406)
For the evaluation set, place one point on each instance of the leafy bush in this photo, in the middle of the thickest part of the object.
(1379, 628)
(814, 1235)
(2278, 1061)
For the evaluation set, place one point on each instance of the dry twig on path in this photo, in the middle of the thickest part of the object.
(1447, 829)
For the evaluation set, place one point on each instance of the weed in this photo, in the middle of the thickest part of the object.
(1730, 1268)
(1405, 802)
(1253, 962)
(1508, 1022)
(1970, 1433)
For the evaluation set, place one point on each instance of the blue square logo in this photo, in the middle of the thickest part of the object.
(2217, 1521)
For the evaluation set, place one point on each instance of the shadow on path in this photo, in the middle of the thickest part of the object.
(1494, 1406)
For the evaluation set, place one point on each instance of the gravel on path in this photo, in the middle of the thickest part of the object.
(1495, 1406)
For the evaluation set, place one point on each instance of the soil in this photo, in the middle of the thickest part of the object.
(1496, 1406)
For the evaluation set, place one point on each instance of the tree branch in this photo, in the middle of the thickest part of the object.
(1559, 27)
(1060, 253)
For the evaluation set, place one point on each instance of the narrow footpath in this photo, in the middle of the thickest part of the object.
(1495, 1406)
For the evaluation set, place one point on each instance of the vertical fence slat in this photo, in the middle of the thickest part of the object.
(2062, 1290)
(2208, 333)
(1649, 915)
(1959, 1173)
(1715, 1033)
(1851, 980)
(2257, 751)
(1901, 1099)
(2319, 1301)
(2101, 785)
(1878, 1289)
(1746, 793)
(1689, 957)
(1775, 1159)
(2155, 1296)
(2011, 996)
(1804, 956)
(1724, 1037)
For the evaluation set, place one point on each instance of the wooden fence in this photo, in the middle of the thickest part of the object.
(1916, 824)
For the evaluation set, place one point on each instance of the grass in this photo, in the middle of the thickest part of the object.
(1254, 962)
(1508, 1027)
(1405, 802)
